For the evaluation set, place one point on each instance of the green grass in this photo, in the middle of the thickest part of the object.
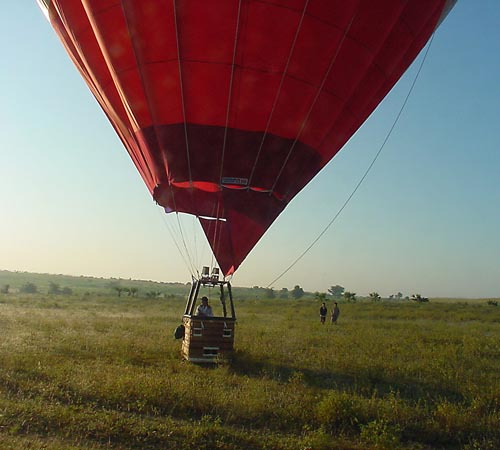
(97, 372)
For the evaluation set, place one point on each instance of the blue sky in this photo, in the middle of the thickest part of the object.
(426, 219)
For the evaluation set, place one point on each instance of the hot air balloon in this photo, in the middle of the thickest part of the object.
(228, 108)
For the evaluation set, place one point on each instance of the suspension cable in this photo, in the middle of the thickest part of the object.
(362, 179)
(185, 256)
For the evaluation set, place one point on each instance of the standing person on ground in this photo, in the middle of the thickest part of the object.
(323, 312)
(335, 313)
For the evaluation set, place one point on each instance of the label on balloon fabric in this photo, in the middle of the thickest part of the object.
(238, 181)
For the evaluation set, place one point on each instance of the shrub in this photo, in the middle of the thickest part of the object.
(339, 411)
(380, 434)
(29, 288)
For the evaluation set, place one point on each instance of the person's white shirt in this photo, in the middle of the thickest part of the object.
(204, 310)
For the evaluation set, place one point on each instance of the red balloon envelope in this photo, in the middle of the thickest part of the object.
(228, 108)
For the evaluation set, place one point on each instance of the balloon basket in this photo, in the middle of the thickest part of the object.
(209, 339)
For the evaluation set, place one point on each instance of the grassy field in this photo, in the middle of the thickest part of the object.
(97, 372)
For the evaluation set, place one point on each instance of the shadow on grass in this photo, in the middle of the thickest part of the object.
(365, 381)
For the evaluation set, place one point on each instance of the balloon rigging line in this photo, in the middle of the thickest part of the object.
(194, 242)
(215, 213)
(278, 93)
(146, 91)
(188, 253)
(218, 226)
(181, 86)
(174, 238)
(217, 231)
(396, 120)
(306, 118)
(230, 93)
(212, 223)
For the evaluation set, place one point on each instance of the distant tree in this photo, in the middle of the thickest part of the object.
(336, 291)
(29, 288)
(54, 288)
(119, 290)
(320, 296)
(284, 293)
(399, 295)
(5, 289)
(269, 292)
(153, 294)
(419, 299)
(128, 291)
(350, 296)
(134, 291)
(297, 292)
(374, 296)
(113, 284)
(492, 302)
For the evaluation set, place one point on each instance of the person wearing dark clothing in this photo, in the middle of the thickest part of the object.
(335, 313)
(322, 313)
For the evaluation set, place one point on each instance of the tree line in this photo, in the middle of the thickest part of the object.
(32, 288)
(339, 292)
(336, 291)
